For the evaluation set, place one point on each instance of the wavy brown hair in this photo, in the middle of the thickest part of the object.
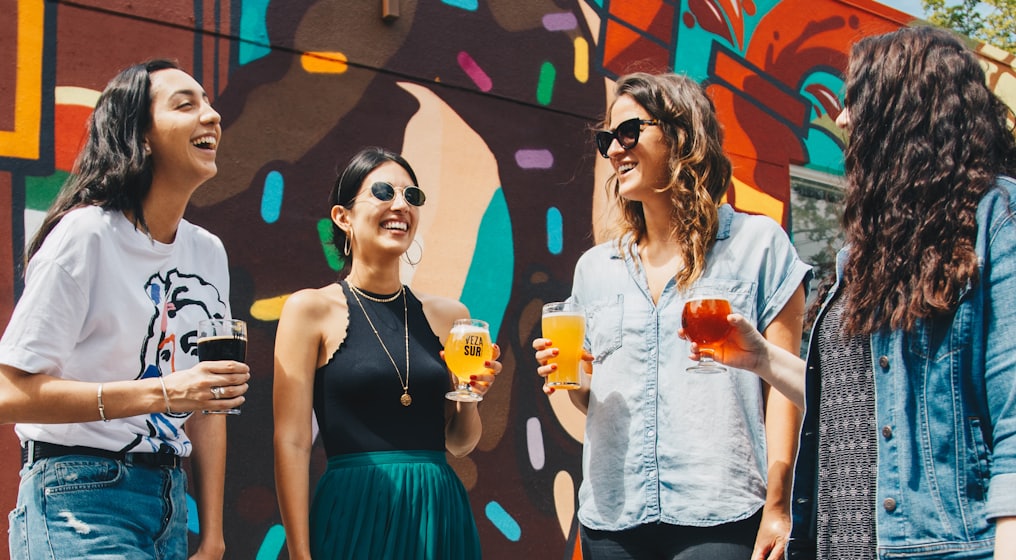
(927, 140)
(699, 169)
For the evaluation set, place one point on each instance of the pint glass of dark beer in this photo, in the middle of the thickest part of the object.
(705, 322)
(222, 339)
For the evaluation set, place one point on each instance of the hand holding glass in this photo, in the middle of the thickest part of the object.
(222, 339)
(466, 352)
(705, 322)
(564, 323)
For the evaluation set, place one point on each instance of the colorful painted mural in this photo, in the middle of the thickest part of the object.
(492, 102)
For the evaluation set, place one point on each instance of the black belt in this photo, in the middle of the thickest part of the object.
(36, 450)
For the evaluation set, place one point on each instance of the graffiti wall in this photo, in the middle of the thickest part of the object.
(492, 102)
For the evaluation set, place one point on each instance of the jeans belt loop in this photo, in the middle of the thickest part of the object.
(31, 453)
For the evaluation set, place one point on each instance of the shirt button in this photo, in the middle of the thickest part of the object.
(889, 504)
(651, 433)
(887, 432)
(884, 362)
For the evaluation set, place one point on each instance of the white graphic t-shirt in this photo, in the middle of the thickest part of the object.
(104, 302)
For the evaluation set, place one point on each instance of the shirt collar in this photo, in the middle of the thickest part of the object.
(725, 218)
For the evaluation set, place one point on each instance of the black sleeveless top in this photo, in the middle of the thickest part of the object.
(356, 394)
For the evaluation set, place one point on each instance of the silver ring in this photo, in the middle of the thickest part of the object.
(216, 393)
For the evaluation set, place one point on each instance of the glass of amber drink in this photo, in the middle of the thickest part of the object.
(466, 352)
(564, 323)
(705, 322)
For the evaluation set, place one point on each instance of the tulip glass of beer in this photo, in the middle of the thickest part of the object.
(564, 323)
(466, 351)
(222, 339)
(705, 322)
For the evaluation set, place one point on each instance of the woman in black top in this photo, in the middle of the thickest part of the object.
(364, 355)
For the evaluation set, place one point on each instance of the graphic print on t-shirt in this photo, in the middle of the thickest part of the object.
(179, 301)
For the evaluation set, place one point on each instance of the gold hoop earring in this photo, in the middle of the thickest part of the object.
(345, 247)
(409, 261)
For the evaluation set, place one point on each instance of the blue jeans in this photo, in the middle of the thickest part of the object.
(77, 506)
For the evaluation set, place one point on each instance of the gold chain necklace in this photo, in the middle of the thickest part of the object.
(405, 399)
(362, 293)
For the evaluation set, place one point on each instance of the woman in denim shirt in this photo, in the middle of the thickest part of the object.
(908, 448)
(679, 464)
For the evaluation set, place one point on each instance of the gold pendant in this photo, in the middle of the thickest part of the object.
(406, 400)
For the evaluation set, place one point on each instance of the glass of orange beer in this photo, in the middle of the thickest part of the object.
(564, 323)
(466, 351)
(705, 322)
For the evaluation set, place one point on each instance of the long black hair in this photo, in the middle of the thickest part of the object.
(112, 170)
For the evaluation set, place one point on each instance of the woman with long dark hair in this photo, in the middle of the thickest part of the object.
(909, 439)
(98, 365)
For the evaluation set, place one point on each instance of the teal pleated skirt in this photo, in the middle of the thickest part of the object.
(400, 505)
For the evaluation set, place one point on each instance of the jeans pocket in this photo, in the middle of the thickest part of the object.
(17, 536)
(72, 474)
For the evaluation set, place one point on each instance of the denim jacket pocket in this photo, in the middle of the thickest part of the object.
(980, 470)
(938, 338)
(604, 332)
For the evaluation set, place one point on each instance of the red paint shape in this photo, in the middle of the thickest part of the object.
(70, 130)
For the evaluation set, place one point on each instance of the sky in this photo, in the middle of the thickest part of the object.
(912, 7)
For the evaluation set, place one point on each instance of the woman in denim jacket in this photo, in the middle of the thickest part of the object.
(908, 448)
(678, 464)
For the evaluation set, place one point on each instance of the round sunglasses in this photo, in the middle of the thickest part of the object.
(626, 133)
(385, 192)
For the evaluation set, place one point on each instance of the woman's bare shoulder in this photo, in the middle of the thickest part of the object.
(314, 303)
(442, 311)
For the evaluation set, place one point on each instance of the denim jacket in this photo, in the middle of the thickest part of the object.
(662, 444)
(945, 399)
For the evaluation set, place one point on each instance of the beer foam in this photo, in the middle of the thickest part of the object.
(566, 314)
(220, 337)
(467, 329)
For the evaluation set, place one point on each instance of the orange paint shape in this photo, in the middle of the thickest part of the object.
(323, 62)
(70, 133)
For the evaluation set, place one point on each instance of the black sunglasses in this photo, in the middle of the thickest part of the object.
(627, 134)
(385, 192)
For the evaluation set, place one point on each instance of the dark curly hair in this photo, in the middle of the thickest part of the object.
(927, 141)
(700, 170)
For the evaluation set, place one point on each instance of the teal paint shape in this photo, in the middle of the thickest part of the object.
(824, 151)
(555, 231)
(254, 42)
(193, 523)
(335, 260)
(470, 5)
(489, 280)
(503, 521)
(545, 85)
(271, 197)
(271, 547)
(694, 45)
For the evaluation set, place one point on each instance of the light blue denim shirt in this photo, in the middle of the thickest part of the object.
(945, 405)
(662, 444)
